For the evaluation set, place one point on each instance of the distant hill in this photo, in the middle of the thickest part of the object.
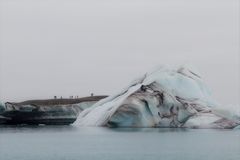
(60, 101)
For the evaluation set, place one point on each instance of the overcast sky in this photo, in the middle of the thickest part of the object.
(75, 47)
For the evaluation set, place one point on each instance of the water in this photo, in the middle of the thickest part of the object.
(74, 143)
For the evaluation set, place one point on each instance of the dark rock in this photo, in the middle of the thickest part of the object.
(3, 119)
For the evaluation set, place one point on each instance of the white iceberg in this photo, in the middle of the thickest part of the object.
(162, 98)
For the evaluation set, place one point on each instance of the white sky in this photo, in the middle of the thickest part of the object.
(71, 47)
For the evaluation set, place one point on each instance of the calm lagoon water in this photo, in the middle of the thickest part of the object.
(74, 143)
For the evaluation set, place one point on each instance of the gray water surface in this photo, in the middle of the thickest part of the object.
(74, 143)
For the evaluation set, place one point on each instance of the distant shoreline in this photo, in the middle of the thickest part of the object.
(59, 101)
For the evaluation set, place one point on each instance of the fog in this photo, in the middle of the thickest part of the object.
(75, 48)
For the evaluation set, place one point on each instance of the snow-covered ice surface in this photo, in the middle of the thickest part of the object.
(162, 98)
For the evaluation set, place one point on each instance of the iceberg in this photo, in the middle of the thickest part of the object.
(162, 98)
(2, 107)
(165, 97)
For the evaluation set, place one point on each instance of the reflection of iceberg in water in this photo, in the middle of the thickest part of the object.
(162, 98)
